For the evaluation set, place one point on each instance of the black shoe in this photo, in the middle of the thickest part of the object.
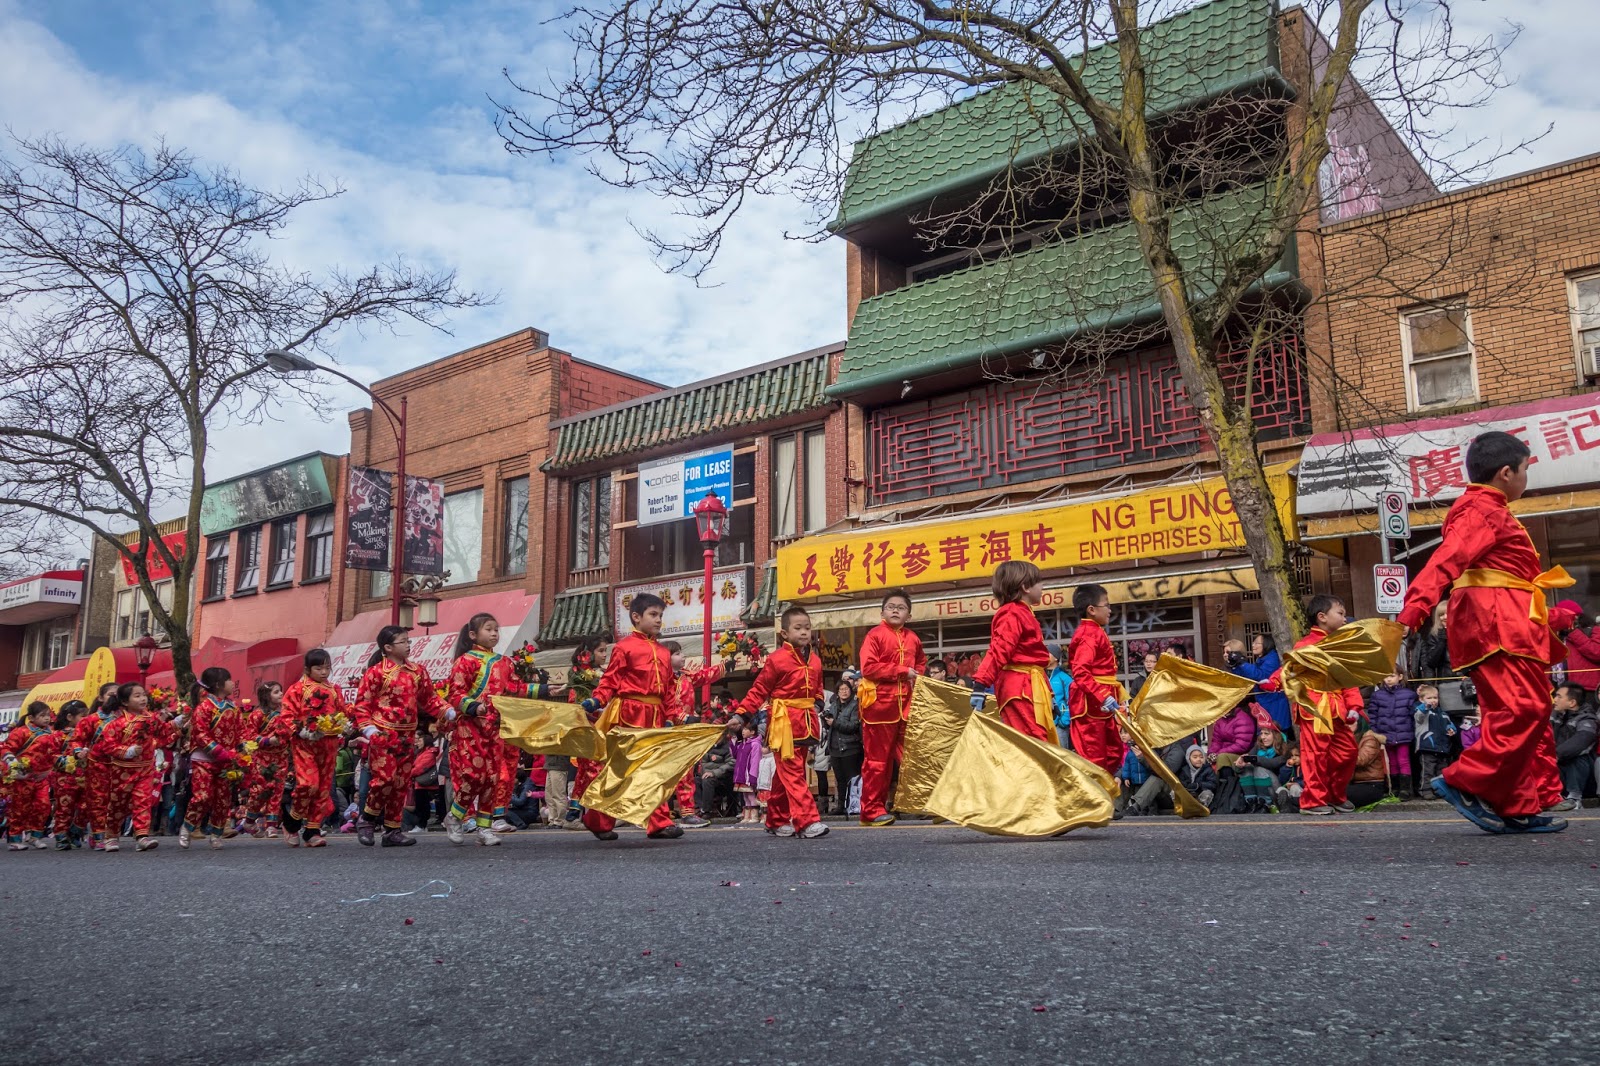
(666, 832)
(398, 838)
(604, 834)
(364, 833)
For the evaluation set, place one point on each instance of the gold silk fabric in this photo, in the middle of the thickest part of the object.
(937, 714)
(1183, 697)
(547, 727)
(1361, 653)
(643, 766)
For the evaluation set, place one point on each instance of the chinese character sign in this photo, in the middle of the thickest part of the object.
(686, 605)
(1175, 520)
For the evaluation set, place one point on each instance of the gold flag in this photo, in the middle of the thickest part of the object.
(1183, 800)
(1183, 697)
(938, 713)
(1361, 653)
(1000, 781)
(643, 766)
(546, 727)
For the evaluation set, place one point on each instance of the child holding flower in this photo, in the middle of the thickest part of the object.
(217, 735)
(477, 754)
(313, 723)
(264, 784)
(27, 757)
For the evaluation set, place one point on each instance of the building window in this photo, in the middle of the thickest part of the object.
(124, 630)
(249, 573)
(378, 583)
(46, 646)
(1585, 299)
(516, 526)
(814, 469)
(463, 536)
(217, 568)
(134, 616)
(319, 546)
(799, 483)
(284, 532)
(1438, 352)
(591, 523)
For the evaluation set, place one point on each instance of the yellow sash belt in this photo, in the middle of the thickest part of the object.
(1538, 608)
(1040, 685)
(780, 731)
(613, 712)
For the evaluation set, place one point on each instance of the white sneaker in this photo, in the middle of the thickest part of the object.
(503, 827)
(183, 838)
(111, 844)
(814, 830)
(147, 844)
(216, 842)
(41, 843)
(785, 830)
(453, 830)
(488, 837)
(416, 830)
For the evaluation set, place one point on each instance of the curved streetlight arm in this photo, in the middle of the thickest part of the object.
(290, 362)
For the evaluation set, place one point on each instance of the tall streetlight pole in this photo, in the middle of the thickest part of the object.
(284, 362)
(711, 523)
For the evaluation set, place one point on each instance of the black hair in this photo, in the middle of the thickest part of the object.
(1574, 691)
(1267, 643)
(119, 699)
(1321, 604)
(100, 697)
(643, 602)
(1490, 452)
(466, 639)
(264, 690)
(318, 657)
(68, 709)
(1087, 596)
(35, 708)
(940, 663)
(896, 594)
(790, 615)
(386, 636)
(212, 678)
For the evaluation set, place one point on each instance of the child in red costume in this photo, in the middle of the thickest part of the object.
(312, 750)
(28, 758)
(1014, 666)
(891, 659)
(68, 810)
(633, 691)
(217, 732)
(1096, 693)
(269, 767)
(125, 748)
(1327, 760)
(393, 696)
(1503, 631)
(95, 779)
(679, 708)
(790, 685)
(477, 754)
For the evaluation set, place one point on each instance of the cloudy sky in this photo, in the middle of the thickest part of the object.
(392, 100)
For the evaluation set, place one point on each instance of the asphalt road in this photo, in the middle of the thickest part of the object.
(1394, 938)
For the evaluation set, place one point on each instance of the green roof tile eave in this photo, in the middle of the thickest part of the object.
(1267, 77)
(966, 355)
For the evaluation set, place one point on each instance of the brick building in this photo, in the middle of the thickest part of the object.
(480, 422)
(1474, 310)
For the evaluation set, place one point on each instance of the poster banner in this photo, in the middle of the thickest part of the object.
(669, 489)
(424, 526)
(159, 571)
(368, 514)
(686, 603)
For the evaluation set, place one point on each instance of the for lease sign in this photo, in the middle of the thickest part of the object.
(669, 489)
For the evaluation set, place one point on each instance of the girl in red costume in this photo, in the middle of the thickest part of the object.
(69, 812)
(790, 685)
(1014, 665)
(264, 782)
(125, 748)
(309, 724)
(891, 659)
(1096, 693)
(1503, 631)
(95, 779)
(477, 755)
(394, 695)
(28, 759)
(217, 732)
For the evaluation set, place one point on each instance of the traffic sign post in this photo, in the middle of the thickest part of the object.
(1390, 581)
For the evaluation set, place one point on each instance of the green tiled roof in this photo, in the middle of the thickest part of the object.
(1044, 296)
(577, 616)
(749, 397)
(1220, 47)
(765, 605)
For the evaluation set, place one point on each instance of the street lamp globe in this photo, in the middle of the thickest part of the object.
(711, 520)
(144, 652)
(283, 362)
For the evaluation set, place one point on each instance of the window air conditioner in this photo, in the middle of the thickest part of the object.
(1591, 360)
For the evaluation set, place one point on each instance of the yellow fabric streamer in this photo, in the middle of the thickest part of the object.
(1183, 800)
(1538, 607)
(1039, 685)
(643, 766)
(1006, 783)
(546, 727)
(1361, 653)
(938, 713)
(1183, 697)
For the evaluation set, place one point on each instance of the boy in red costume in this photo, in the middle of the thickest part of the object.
(1503, 631)
(312, 751)
(1014, 666)
(29, 753)
(790, 685)
(1327, 759)
(678, 710)
(1096, 694)
(633, 691)
(394, 695)
(891, 659)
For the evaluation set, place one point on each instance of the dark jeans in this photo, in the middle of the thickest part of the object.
(709, 793)
(1575, 774)
(1362, 793)
(1433, 764)
(843, 768)
(426, 803)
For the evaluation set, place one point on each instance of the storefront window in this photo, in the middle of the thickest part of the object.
(1574, 542)
(463, 536)
(319, 545)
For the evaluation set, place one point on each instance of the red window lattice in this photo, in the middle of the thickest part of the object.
(1001, 433)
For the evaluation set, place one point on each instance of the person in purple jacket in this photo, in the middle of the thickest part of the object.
(1233, 735)
(746, 769)
(1392, 711)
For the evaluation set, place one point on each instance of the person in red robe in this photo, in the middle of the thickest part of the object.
(217, 732)
(634, 692)
(891, 659)
(125, 749)
(28, 758)
(477, 755)
(790, 687)
(87, 731)
(69, 811)
(395, 694)
(679, 708)
(1327, 759)
(1096, 693)
(1015, 664)
(310, 726)
(1504, 633)
(269, 768)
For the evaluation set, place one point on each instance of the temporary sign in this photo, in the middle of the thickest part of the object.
(1389, 579)
(669, 489)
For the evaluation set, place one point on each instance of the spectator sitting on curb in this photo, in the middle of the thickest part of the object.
(1197, 775)
(1576, 726)
(1258, 770)
(1370, 781)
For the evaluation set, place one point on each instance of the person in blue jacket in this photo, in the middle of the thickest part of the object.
(1060, 682)
(1261, 663)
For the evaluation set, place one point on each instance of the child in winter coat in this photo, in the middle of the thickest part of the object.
(1232, 736)
(746, 770)
(1390, 709)
(1258, 770)
(1197, 775)
(1436, 734)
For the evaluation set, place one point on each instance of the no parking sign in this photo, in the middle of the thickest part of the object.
(1390, 581)
(1394, 516)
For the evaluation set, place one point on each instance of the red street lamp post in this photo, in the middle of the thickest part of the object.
(283, 362)
(144, 653)
(711, 522)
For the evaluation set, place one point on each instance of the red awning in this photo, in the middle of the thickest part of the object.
(127, 667)
(251, 664)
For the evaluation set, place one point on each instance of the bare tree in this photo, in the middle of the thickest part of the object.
(708, 102)
(137, 292)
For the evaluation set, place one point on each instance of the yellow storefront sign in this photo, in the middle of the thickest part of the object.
(1150, 524)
